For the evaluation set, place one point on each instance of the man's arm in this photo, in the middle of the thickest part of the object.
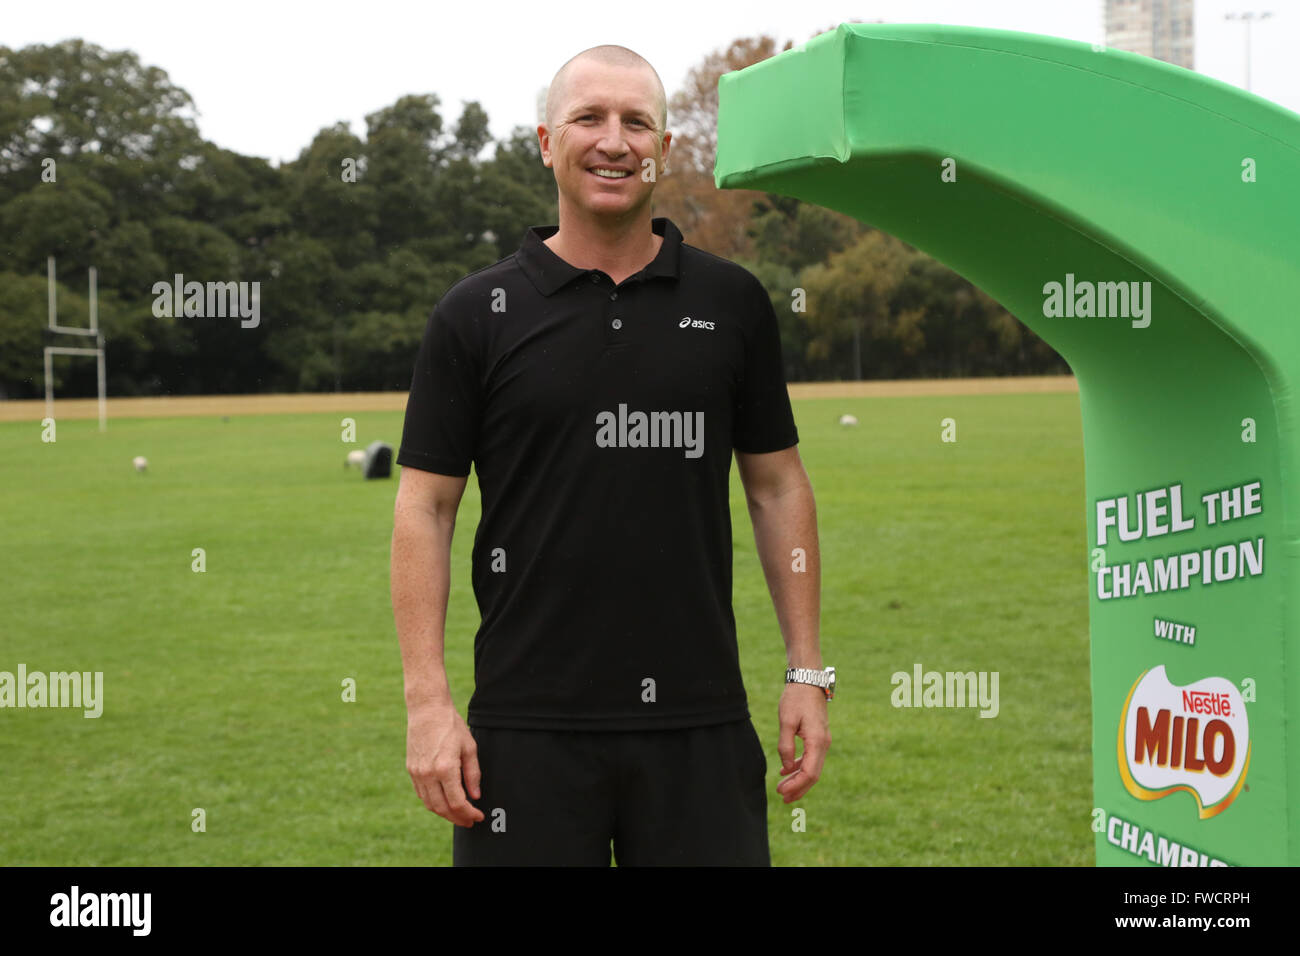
(439, 745)
(784, 515)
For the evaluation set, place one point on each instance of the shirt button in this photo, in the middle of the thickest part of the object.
(613, 296)
(595, 277)
(617, 323)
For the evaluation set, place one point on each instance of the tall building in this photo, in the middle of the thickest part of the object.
(1161, 29)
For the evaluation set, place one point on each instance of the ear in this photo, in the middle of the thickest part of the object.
(544, 144)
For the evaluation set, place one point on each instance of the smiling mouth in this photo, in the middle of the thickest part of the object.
(609, 174)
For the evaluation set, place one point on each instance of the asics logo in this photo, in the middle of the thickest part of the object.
(688, 322)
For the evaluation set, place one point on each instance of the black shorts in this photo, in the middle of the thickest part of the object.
(694, 797)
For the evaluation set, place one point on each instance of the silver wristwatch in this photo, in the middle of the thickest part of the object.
(805, 675)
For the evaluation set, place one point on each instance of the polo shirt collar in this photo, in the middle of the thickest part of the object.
(549, 273)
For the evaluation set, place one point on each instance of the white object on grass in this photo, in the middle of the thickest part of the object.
(848, 420)
(140, 462)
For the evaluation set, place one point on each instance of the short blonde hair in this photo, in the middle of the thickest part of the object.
(611, 55)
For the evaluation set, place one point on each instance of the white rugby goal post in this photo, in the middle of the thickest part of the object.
(53, 350)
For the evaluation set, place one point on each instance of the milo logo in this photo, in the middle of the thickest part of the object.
(1194, 738)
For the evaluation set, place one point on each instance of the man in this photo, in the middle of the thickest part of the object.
(599, 380)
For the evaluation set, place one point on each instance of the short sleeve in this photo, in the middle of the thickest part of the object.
(445, 402)
(764, 421)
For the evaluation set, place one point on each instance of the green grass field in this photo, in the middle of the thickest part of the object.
(223, 690)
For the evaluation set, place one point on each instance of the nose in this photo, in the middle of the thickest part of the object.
(612, 141)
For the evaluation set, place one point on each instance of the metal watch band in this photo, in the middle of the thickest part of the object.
(825, 679)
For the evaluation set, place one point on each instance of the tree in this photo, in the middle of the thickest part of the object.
(849, 303)
(75, 98)
(712, 219)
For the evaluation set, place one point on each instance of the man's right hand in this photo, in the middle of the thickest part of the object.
(439, 747)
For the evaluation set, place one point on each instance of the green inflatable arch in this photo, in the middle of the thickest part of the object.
(1145, 221)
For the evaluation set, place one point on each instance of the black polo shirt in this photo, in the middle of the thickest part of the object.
(600, 421)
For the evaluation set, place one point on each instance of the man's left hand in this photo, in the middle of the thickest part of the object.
(802, 714)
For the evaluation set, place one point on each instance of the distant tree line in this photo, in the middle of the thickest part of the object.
(352, 243)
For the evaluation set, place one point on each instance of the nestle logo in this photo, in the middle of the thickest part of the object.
(1204, 702)
(1202, 750)
(688, 322)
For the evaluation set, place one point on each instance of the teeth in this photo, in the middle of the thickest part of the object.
(612, 173)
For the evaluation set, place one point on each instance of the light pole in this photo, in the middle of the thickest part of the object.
(1247, 18)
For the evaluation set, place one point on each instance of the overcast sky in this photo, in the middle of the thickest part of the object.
(266, 76)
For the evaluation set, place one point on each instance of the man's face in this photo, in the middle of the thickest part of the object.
(607, 119)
